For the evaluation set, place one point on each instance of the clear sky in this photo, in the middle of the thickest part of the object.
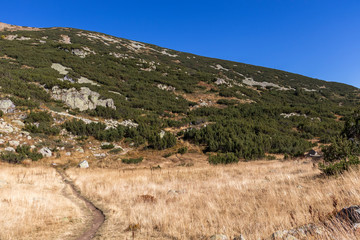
(316, 38)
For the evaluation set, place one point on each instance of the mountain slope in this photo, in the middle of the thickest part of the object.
(225, 106)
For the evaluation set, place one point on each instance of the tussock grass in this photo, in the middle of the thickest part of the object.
(254, 199)
(33, 205)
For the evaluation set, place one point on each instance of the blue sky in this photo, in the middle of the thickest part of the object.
(316, 38)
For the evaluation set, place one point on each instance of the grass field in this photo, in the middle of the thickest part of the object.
(36, 204)
(250, 198)
(254, 199)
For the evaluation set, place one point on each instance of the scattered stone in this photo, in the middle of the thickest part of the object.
(84, 164)
(46, 152)
(18, 122)
(65, 39)
(252, 82)
(166, 87)
(303, 232)
(60, 68)
(10, 149)
(7, 106)
(85, 80)
(25, 133)
(68, 154)
(14, 143)
(219, 237)
(176, 192)
(162, 133)
(2, 141)
(80, 150)
(129, 123)
(240, 237)
(100, 155)
(80, 53)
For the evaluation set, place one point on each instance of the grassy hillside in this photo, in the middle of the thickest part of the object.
(224, 106)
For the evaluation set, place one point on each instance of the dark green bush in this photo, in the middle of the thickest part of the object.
(12, 157)
(107, 146)
(132, 160)
(115, 150)
(182, 150)
(26, 152)
(38, 117)
(223, 158)
(340, 166)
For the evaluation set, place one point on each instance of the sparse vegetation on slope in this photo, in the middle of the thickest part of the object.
(249, 107)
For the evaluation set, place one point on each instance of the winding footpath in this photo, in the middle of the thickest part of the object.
(98, 216)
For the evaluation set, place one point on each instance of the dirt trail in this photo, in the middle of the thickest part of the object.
(98, 216)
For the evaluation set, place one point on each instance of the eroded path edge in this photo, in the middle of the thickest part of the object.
(98, 217)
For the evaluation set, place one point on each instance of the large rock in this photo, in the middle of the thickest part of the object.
(6, 128)
(350, 214)
(7, 106)
(9, 149)
(82, 99)
(46, 152)
(84, 164)
(14, 143)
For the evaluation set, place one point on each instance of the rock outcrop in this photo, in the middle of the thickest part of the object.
(7, 106)
(46, 152)
(83, 99)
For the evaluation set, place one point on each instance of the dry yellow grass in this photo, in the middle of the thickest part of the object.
(254, 199)
(33, 205)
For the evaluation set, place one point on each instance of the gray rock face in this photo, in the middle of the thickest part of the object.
(46, 152)
(14, 143)
(10, 149)
(84, 99)
(303, 232)
(7, 106)
(84, 164)
(350, 214)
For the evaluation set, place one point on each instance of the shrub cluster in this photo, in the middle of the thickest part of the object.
(132, 160)
(223, 158)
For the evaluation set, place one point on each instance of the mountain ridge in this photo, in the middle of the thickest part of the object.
(225, 107)
(10, 27)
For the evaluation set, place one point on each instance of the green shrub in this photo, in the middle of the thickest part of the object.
(132, 160)
(26, 152)
(340, 166)
(270, 157)
(12, 157)
(115, 150)
(107, 146)
(43, 127)
(168, 154)
(223, 158)
(38, 117)
(182, 150)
